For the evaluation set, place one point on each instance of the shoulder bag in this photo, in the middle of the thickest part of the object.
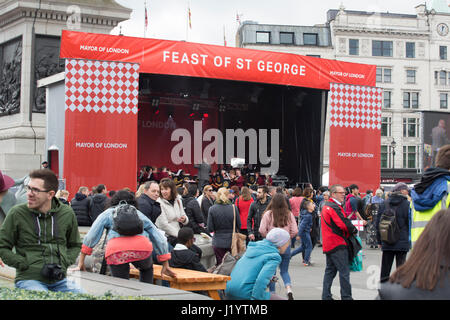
(238, 244)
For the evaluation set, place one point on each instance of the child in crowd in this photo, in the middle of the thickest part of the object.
(186, 254)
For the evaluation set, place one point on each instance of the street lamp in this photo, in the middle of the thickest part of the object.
(393, 145)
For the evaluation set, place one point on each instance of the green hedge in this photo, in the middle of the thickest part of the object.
(21, 294)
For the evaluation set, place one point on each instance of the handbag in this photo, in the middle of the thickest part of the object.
(238, 240)
(357, 263)
(227, 265)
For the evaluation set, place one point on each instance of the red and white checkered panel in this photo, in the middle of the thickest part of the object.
(101, 86)
(355, 106)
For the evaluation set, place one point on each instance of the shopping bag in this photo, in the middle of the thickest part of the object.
(356, 264)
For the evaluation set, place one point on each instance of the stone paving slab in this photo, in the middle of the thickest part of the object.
(97, 284)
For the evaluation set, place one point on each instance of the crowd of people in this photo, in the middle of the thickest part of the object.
(157, 223)
(227, 177)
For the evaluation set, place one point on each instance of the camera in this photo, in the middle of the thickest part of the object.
(52, 271)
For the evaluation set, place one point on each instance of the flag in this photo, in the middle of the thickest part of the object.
(189, 16)
(146, 17)
(224, 38)
(238, 18)
(358, 224)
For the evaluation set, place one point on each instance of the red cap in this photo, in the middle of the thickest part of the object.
(6, 182)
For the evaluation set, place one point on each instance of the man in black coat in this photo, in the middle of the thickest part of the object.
(398, 201)
(81, 206)
(147, 201)
(98, 203)
(204, 172)
(255, 213)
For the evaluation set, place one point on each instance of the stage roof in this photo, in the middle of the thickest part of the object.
(219, 62)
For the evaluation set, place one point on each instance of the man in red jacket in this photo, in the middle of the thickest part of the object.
(334, 245)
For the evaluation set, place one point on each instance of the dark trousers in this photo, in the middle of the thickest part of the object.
(387, 259)
(337, 262)
(145, 270)
(220, 252)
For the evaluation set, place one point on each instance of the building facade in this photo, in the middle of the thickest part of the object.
(30, 34)
(413, 68)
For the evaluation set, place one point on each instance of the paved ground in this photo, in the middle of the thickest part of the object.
(307, 281)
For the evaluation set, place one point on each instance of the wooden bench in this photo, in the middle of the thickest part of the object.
(190, 280)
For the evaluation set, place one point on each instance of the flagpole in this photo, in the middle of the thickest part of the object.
(145, 18)
(187, 21)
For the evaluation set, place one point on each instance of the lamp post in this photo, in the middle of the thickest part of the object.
(393, 145)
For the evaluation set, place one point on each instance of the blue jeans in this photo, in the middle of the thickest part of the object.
(284, 266)
(337, 261)
(60, 286)
(305, 247)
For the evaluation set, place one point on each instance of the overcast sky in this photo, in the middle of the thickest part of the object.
(209, 18)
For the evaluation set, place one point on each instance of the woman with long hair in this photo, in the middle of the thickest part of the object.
(172, 211)
(426, 274)
(121, 250)
(243, 204)
(220, 221)
(295, 201)
(278, 215)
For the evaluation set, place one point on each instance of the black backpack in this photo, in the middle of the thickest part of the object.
(388, 227)
(126, 220)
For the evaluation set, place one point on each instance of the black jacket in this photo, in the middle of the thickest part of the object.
(401, 204)
(206, 204)
(395, 291)
(98, 205)
(194, 213)
(220, 221)
(187, 259)
(80, 205)
(149, 207)
(254, 218)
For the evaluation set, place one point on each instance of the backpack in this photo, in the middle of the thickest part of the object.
(388, 227)
(126, 220)
(371, 211)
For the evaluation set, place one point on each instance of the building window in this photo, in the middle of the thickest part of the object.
(384, 75)
(353, 47)
(410, 50)
(443, 52)
(410, 76)
(410, 127)
(262, 37)
(410, 156)
(381, 48)
(387, 99)
(310, 39)
(286, 38)
(410, 100)
(442, 78)
(385, 157)
(443, 100)
(386, 126)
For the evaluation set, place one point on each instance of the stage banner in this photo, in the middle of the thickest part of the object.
(355, 133)
(218, 62)
(101, 101)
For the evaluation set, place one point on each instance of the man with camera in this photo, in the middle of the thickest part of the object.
(44, 234)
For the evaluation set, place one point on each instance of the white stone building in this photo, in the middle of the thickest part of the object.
(413, 67)
(23, 125)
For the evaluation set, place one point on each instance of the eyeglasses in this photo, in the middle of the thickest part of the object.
(210, 190)
(34, 190)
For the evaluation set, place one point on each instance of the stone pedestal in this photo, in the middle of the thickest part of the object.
(23, 133)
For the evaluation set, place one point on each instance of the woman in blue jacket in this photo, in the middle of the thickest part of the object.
(252, 273)
(304, 229)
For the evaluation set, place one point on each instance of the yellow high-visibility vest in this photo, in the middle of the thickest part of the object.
(421, 218)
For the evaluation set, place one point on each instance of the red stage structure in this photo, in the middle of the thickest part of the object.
(103, 110)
